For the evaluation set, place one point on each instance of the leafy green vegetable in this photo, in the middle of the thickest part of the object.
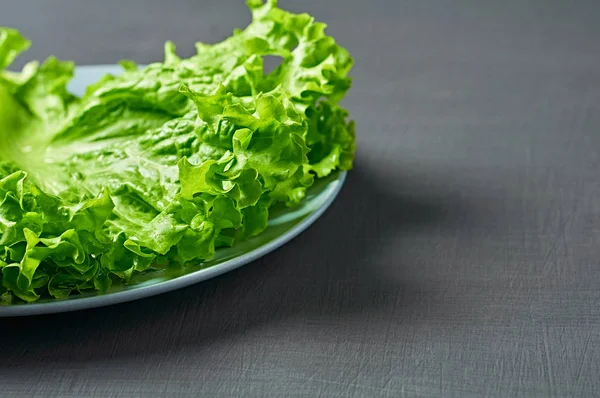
(161, 165)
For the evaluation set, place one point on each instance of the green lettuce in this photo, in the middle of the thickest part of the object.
(162, 165)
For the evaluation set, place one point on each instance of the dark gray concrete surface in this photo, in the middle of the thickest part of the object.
(462, 258)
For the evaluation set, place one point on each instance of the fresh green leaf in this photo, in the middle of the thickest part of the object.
(161, 165)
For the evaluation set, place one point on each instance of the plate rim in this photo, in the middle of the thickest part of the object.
(179, 282)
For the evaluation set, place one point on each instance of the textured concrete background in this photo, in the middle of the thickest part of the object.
(461, 259)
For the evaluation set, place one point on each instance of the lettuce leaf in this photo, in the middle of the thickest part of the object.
(162, 165)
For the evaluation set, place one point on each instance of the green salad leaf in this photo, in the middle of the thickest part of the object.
(162, 165)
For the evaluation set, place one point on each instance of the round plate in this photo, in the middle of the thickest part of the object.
(284, 225)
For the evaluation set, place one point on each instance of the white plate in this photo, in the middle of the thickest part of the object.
(284, 225)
